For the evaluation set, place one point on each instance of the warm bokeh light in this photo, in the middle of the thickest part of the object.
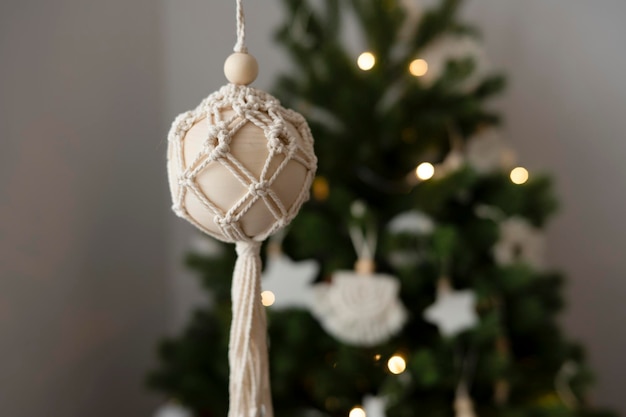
(425, 171)
(366, 61)
(357, 412)
(377, 357)
(519, 175)
(418, 67)
(321, 189)
(268, 298)
(396, 365)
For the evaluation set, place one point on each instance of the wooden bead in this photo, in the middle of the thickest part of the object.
(241, 68)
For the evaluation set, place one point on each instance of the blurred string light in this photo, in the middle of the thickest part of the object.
(268, 298)
(357, 412)
(396, 364)
(519, 175)
(425, 171)
(366, 61)
(418, 67)
(321, 189)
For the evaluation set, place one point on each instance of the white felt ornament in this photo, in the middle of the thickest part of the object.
(519, 242)
(361, 307)
(240, 166)
(453, 311)
(290, 282)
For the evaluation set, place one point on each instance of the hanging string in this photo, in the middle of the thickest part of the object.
(240, 46)
(364, 242)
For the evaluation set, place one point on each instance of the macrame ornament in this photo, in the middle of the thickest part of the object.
(360, 307)
(240, 166)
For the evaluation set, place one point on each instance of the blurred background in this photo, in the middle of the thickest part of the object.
(90, 254)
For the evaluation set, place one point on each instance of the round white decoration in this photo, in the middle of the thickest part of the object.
(291, 282)
(240, 165)
(486, 152)
(414, 222)
(358, 309)
(374, 406)
(450, 48)
(453, 312)
(519, 242)
(172, 410)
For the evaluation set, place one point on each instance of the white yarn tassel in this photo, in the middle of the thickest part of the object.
(250, 394)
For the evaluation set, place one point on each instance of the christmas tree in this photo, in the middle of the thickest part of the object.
(416, 279)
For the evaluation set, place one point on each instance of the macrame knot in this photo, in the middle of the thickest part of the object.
(248, 247)
(281, 223)
(218, 130)
(276, 145)
(185, 181)
(223, 222)
(275, 128)
(221, 151)
(259, 189)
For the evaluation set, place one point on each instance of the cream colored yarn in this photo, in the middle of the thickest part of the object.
(288, 140)
(247, 105)
(242, 197)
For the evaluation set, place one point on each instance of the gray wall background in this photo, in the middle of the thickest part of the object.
(83, 206)
(90, 271)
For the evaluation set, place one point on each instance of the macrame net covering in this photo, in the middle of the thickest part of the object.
(288, 141)
(240, 166)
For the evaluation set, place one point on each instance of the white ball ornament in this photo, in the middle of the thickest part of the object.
(240, 165)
